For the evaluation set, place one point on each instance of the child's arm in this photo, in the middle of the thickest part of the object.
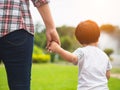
(67, 56)
(109, 67)
(108, 74)
(63, 53)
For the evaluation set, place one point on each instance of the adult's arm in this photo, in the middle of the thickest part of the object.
(44, 10)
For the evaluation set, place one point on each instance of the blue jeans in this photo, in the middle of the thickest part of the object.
(16, 53)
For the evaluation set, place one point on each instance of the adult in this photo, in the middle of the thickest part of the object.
(16, 39)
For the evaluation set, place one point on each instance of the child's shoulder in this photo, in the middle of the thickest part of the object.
(79, 50)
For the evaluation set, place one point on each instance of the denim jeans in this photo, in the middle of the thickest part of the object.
(16, 53)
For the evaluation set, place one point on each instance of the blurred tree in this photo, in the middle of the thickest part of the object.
(37, 50)
(67, 37)
(109, 51)
(107, 28)
(66, 42)
(40, 39)
(66, 30)
(39, 56)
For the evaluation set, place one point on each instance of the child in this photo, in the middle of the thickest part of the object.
(94, 65)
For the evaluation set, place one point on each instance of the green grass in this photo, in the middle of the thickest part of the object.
(54, 77)
(114, 84)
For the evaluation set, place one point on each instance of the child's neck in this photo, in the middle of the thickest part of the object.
(91, 44)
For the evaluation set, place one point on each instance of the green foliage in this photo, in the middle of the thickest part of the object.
(108, 51)
(41, 58)
(52, 57)
(38, 55)
(40, 39)
(37, 50)
(66, 30)
(68, 40)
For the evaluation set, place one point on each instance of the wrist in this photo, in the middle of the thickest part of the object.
(51, 29)
(59, 50)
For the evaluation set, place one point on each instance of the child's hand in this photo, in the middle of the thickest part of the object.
(54, 47)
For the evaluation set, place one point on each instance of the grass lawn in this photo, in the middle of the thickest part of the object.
(54, 77)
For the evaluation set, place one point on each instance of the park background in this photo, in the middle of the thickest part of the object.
(52, 72)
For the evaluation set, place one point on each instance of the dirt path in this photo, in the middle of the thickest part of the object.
(115, 75)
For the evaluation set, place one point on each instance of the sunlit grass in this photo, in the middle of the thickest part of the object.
(53, 77)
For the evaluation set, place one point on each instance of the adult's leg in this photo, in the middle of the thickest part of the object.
(17, 57)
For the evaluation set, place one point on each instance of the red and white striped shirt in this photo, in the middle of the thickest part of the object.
(15, 15)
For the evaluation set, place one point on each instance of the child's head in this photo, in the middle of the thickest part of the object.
(87, 32)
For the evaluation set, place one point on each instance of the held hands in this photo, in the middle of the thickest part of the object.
(54, 47)
(52, 35)
(52, 40)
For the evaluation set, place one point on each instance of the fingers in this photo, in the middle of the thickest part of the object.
(48, 44)
(48, 47)
(49, 50)
(49, 39)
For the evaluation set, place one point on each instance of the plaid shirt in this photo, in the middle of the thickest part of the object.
(15, 15)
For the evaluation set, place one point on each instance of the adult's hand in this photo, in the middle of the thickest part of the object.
(52, 35)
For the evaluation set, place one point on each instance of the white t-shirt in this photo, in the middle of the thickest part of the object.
(93, 64)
